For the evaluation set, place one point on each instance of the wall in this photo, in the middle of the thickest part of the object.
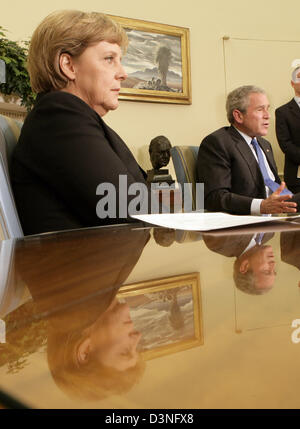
(208, 21)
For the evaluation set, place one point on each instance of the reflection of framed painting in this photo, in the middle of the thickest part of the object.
(157, 62)
(167, 312)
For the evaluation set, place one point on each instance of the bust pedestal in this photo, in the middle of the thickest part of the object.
(159, 176)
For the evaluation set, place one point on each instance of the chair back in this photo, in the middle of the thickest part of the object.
(9, 219)
(185, 161)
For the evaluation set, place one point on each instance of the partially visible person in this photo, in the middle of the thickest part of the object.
(254, 267)
(288, 134)
(66, 150)
(237, 165)
(290, 248)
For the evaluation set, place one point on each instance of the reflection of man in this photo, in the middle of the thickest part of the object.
(290, 248)
(254, 267)
(159, 150)
(237, 165)
(288, 134)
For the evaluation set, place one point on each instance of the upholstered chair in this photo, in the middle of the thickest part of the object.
(9, 220)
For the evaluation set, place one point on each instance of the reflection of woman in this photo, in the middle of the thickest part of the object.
(98, 360)
(91, 340)
(65, 149)
(112, 339)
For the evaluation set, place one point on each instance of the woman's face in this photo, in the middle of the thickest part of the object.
(114, 338)
(98, 74)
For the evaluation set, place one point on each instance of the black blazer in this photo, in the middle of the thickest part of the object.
(64, 152)
(230, 172)
(288, 136)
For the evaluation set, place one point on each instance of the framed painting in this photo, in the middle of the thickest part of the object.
(167, 312)
(157, 62)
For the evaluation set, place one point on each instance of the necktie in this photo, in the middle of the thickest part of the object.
(268, 182)
(258, 238)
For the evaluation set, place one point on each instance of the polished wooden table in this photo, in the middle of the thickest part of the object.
(128, 317)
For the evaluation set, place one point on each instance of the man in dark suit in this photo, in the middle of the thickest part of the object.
(235, 163)
(288, 135)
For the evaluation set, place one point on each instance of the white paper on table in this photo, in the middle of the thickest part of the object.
(205, 221)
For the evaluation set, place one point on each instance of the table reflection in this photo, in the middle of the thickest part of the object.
(115, 315)
(89, 336)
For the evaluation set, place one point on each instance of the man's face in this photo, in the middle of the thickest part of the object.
(262, 263)
(256, 120)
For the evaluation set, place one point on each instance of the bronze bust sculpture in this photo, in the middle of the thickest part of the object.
(159, 150)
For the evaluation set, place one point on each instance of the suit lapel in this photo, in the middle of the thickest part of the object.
(244, 149)
(294, 108)
(247, 154)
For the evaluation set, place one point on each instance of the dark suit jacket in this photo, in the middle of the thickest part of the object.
(230, 172)
(64, 152)
(231, 245)
(288, 136)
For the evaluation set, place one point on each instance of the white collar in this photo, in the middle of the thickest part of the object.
(245, 136)
(297, 99)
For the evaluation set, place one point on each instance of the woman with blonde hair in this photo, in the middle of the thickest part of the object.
(65, 150)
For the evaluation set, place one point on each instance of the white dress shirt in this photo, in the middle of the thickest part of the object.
(297, 99)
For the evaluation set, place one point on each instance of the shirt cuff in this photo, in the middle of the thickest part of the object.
(255, 206)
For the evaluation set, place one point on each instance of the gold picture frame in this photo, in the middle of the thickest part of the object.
(157, 62)
(167, 312)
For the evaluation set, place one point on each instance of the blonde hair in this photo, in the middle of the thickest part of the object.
(67, 31)
(91, 381)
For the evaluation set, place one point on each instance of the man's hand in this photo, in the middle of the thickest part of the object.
(277, 203)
